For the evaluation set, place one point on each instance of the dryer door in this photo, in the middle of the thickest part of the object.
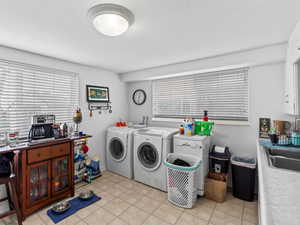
(149, 156)
(117, 149)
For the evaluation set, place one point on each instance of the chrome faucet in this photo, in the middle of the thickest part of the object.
(145, 120)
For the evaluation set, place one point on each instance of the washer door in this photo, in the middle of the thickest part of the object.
(117, 149)
(148, 156)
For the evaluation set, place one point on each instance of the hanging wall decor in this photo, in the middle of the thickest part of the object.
(97, 93)
(98, 99)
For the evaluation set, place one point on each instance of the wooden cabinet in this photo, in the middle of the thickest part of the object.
(47, 175)
(61, 175)
(291, 94)
(38, 183)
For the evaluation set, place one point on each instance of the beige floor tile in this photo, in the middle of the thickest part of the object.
(220, 218)
(206, 203)
(2, 222)
(134, 216)
(104, 186)
(130, 196)
(141, 189)
(128, 184)
(157, 195)
(251, 205)
(116, 190)
(82, 213)
(116, 179)
(251, 211)
(247, 223)
(250, 216)
(105, 198)
(134, 202)
(44, 217)
(71, 220)
(147, 204)
(168, 213)
(153, 220)
(116, 206)
(230, 209)
(81, 223)
(201, 209)
(118, 221)
(106, 173)
(100, 217)
(33, 220)
(231, 199)
(10, 219)
(93, 187)
(188, 219)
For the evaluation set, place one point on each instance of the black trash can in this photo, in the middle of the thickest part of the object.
(243, 177)
(219, 161)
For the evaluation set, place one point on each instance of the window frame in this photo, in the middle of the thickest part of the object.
(216, 121)
(17, 65)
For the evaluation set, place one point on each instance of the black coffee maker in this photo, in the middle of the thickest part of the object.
(41, 128)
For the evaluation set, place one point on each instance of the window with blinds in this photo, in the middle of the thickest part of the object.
(26, 90)
(223, 93)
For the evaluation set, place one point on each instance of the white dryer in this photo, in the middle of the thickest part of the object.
(119, 145)
(151, 147)
(196, 146)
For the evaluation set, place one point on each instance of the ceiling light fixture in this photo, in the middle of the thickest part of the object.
(111, 19)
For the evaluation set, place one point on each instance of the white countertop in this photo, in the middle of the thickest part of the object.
(279, 193)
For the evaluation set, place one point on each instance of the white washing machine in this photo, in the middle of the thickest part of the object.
(119, 146)
(151, 146)
(197, 146)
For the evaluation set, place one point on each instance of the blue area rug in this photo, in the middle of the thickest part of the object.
(76, 204)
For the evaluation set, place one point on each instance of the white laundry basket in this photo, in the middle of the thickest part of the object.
(181, 180)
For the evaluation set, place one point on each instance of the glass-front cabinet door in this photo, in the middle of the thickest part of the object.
(61, 174)
(38, 182)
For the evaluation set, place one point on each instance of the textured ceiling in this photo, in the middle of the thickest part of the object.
(165, 31)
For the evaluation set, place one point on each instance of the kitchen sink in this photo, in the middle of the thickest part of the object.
(284, 159)
(294, 154)
(285, 163)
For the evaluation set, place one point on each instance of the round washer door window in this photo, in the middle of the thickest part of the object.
(148, 156)
(116, 149)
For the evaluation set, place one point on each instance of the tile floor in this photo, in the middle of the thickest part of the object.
(126, 202)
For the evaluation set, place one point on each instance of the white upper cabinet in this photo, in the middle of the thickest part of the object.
(291, 95)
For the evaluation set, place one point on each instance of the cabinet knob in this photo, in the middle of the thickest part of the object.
(39, 155)
(61, 150)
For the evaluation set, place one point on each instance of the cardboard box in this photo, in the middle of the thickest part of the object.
(216, 186)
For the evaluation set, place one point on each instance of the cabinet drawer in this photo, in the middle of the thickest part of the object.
(60, 150)
(41, 154)
(189, 147)
(38, 154)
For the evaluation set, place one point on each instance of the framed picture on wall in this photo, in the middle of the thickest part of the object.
(264, 127)
(97, 93)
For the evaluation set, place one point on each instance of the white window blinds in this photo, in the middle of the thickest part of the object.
(26, 90)
(223, 93)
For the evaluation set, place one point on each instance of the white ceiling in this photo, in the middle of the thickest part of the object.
(165, 31)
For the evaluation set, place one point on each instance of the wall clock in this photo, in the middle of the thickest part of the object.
(139, 97)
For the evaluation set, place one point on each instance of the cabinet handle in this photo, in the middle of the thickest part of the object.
(39, 155)
(61, 150)
(185, 144)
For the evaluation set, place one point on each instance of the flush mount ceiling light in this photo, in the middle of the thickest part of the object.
(111, 19)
